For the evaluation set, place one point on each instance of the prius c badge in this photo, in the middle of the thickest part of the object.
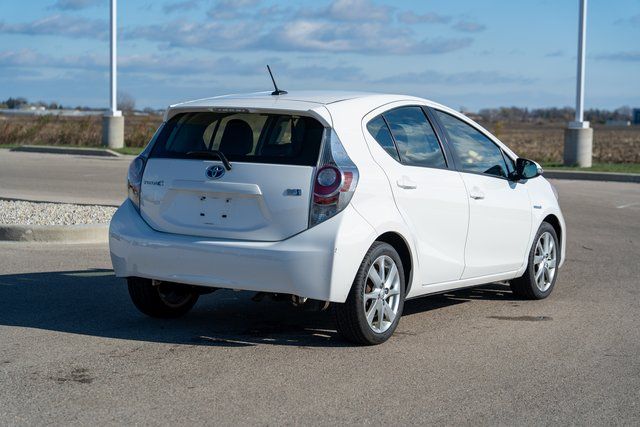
(214, 172)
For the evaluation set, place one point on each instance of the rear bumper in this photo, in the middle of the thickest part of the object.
(319, 263)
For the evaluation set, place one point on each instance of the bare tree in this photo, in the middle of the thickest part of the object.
(126, 102)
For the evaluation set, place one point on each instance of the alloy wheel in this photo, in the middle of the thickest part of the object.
(544, 261)
(382, 294)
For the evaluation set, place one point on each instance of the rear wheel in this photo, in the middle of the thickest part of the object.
(374, 305)
(163, 299)
(540, 276)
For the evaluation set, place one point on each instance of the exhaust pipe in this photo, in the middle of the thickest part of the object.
(309, 304)
(297, 301)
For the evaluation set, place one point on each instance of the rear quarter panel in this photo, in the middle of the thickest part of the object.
(373, 198)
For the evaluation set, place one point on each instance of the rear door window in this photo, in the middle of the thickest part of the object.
(242, 137)
(415, 139)
(380, 132)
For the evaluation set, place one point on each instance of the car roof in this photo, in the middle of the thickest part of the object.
(316, 103)
(294, 98)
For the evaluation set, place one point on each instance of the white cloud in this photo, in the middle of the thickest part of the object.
(409, 17)
(180, 6)
(29, 58)
(342, 26)
(428, 77)
(633, 20)
(234, 9)
(60, 25)
(75, 4)
(628, 56)
(299, 35)
(159, 64)
(355, 10)
(469, 27)
(210, 35)
(371, 37)
(555, 54)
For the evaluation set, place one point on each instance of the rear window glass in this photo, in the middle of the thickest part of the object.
(242, 137)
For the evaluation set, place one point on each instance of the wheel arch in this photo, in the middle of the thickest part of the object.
(555, 223)
(401, 246)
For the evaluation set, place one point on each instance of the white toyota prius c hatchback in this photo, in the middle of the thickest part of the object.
(355, 200)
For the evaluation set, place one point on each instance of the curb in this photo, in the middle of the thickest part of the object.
(103, 152)
(85, 233)
(592, 176)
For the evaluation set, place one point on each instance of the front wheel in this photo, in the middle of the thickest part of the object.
(542, 270)
(374, 305)
(161, 299)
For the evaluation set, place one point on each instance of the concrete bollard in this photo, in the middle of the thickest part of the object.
(113, 131)
(578, 147)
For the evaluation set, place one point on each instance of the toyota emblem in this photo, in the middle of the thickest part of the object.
(215, 172)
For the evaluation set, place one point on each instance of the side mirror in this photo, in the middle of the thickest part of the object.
(527, 169)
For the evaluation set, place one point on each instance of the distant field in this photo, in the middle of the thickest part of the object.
(79, 131)
(541, 142)
(544, 142)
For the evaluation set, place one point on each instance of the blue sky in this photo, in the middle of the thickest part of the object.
(466, 53)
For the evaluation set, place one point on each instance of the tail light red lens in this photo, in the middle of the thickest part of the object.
(328, 182)
(347, 179)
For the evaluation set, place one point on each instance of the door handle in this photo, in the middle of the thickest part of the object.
(406, 183)
(476, 194)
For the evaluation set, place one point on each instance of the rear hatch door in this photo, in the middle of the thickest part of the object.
(265, 195)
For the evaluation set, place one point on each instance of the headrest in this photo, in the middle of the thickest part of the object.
(237, 138)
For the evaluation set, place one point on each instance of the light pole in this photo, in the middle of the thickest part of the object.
(578, 137)
(113, 121)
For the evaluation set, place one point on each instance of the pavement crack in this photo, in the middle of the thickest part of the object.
(79, 375)
(522, 318)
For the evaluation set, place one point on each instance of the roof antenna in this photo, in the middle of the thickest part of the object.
(277, 91)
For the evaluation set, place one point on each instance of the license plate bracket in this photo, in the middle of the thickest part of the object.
(214, 209)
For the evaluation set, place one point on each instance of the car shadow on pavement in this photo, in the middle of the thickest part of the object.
(490, 292)
(95, 302)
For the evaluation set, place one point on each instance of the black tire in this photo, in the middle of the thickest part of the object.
(526, 287)
(351, 317)
(166, 300)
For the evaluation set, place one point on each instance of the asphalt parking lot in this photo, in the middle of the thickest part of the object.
(63, 178)
(74, 350)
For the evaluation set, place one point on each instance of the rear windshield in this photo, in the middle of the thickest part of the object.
(242, 137)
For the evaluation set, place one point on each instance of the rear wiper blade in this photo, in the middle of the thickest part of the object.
(212, 154)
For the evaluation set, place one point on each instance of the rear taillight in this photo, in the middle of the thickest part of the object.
(335, 180)
(327, 186)
(134, 180)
